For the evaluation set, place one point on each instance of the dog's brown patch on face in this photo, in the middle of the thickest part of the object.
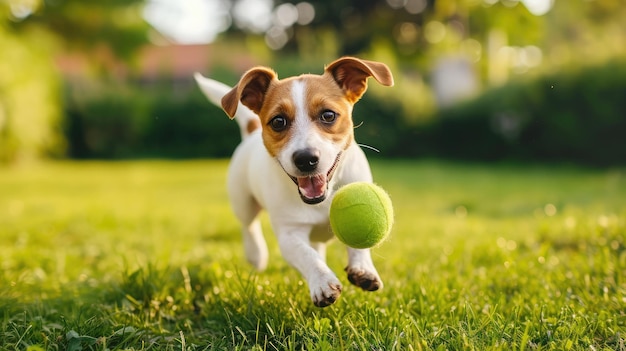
(278, 103)
(322, 95)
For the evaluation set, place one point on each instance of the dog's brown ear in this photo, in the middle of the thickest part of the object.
(250, 90)
(351, 74)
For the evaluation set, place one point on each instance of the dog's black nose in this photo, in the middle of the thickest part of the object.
(306, 160)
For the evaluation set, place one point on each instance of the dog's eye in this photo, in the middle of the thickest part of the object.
(328, 117)
(278, 123)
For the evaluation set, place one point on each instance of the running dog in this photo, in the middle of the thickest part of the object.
(297, 150)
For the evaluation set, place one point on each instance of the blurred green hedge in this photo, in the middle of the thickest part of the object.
(154, 120)
(574, 117)
(577, 116)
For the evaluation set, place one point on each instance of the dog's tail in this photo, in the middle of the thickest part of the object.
(247, 120)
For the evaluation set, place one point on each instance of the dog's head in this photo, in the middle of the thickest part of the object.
(307, 120)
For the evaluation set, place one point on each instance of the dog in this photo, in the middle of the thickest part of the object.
(297, 150)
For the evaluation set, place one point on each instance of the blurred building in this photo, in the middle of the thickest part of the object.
(173, 63)
(154, 62)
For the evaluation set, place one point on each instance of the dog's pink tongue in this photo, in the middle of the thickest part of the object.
(312, 187)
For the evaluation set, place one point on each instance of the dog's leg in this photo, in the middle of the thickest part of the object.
(254, 245)
(320, 247)
(246, 208)
(361, 270)
(324, 286)
(247, 211)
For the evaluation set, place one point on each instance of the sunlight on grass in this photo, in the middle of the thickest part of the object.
(147, 255)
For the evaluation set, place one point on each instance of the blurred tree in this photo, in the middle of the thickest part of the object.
(358, 24)
(31, 33)
(29, 97)
(83, 25)
(416, 31)
(348, 27)
(584, 32)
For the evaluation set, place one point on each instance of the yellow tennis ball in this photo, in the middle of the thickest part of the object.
(361, 215)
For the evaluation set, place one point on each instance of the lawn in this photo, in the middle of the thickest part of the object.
(147, 256)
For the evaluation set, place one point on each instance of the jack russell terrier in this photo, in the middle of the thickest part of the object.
(297, 150)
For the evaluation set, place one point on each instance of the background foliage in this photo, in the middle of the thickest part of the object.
(576, 116)
(123, 123)
(29, 97)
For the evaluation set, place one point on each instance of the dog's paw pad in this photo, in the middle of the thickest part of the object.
(365, 280)
(326, 296)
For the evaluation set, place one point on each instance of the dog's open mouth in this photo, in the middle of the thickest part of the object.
(313, 188)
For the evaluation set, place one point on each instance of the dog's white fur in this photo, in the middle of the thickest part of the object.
(259, 180)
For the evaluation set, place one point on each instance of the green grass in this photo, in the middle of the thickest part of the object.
(147, 256)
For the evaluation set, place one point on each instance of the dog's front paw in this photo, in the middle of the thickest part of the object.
(366, 280)
(326, 293)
